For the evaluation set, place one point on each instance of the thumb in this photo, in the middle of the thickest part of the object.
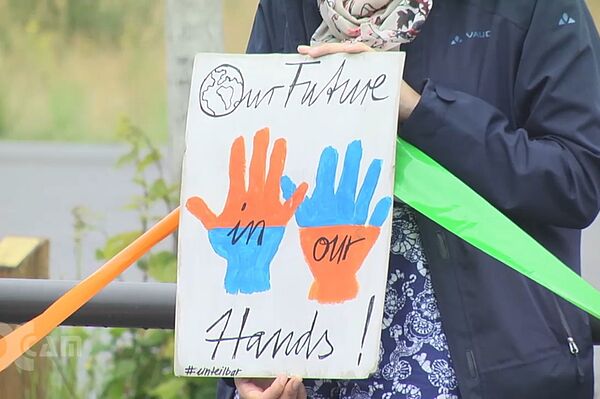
(275, 391)
(288, 187)
(295, 200)
(381, 211)
(302, 391)
(198, 208)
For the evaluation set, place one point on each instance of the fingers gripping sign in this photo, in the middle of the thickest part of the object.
(279, 388)
(335, 234)
(250, 228)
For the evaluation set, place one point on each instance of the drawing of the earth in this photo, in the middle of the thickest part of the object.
(221, 91)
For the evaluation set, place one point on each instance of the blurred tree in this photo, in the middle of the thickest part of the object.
(193, 26)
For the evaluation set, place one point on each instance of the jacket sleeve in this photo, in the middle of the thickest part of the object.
(547, 168)
(262, 39)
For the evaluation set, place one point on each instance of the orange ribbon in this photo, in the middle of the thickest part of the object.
(24, 337)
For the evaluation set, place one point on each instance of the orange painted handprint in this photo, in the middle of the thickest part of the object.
(249, 230)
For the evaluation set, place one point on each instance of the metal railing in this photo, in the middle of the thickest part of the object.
(133, 305)
(130, 305)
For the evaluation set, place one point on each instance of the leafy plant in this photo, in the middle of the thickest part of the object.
(156, 194)
(131, 363)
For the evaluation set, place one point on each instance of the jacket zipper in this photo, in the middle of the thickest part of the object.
(573, 348)
(442, 245)
(472, 364)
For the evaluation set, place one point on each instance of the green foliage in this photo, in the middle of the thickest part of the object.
(142, 155)
(75, 65)
(104, 21)
(66, 105)
(162, 266)
(171, 389)
(3, 114)
(131, 363)
(116, 244)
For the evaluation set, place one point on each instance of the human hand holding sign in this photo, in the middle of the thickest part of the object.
(334, 233)
(409, 98)
(266, 388)
(250, 228)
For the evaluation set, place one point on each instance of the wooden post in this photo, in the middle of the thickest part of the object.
(24, 257)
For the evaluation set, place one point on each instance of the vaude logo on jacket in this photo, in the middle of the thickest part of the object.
(482, 34)
(565, 19)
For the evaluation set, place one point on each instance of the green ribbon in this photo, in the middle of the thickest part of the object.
(430, 189)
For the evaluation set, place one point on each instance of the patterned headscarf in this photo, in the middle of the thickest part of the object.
(381, 24)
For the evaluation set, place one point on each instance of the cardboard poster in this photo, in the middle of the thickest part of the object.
(286, 214)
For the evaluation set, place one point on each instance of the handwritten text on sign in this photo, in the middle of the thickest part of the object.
(285, 229)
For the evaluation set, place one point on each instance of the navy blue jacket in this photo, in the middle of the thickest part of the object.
(511, 105)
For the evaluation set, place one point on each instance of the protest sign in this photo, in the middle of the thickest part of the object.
(286, 214)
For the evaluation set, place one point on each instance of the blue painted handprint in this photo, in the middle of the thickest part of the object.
(249, 230)
(334, 232)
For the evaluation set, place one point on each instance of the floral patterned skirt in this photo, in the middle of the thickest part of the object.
(414, 360)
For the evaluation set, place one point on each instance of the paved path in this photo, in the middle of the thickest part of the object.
(41, 183)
